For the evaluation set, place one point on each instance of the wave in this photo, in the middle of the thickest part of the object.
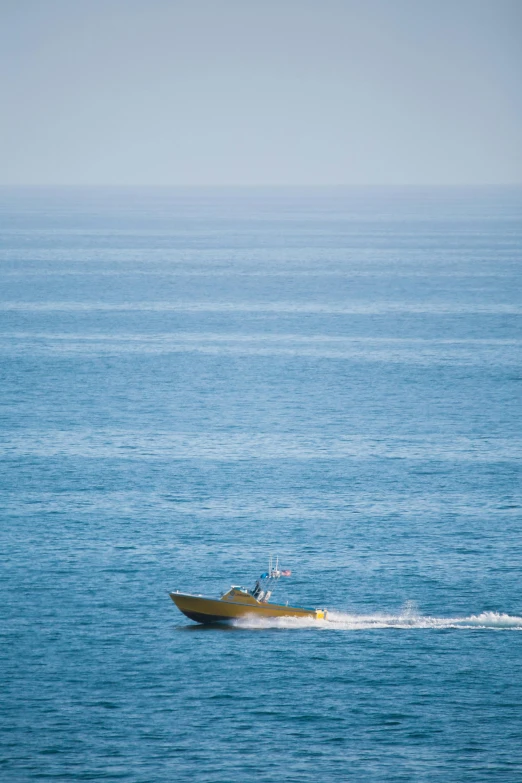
(408, 618)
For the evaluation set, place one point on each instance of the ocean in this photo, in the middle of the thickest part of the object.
(193, 380)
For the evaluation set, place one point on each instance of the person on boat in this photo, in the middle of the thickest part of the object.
(258, 590)
(258, 593)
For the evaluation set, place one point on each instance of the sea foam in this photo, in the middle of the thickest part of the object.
(408, 618)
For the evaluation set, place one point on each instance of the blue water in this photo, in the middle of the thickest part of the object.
(192, 380)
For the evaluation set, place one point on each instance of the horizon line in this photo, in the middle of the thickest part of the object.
(262, 185)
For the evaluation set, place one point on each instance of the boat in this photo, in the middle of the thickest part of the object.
(240, 602)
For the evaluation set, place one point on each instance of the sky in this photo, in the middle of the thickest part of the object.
(260, 92)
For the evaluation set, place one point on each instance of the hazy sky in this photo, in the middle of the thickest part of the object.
(260, 91)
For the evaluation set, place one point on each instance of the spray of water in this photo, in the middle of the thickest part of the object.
(408, 618)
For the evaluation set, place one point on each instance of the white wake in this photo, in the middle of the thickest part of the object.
(407, 618)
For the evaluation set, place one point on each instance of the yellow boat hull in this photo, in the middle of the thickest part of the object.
(211, 610)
